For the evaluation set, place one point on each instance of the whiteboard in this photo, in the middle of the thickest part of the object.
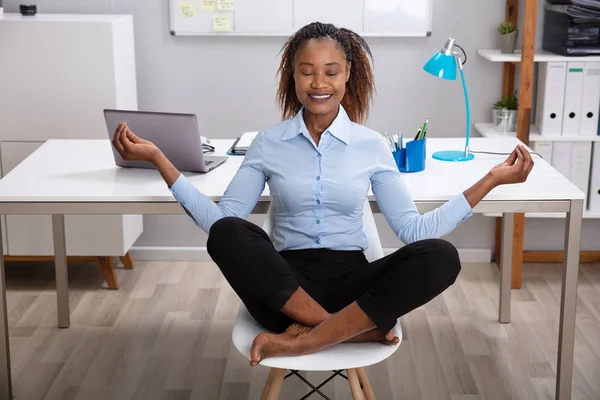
(380, 18)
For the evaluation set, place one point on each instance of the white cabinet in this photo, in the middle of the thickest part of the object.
(3, 228)
(86, 235)
(58, 73)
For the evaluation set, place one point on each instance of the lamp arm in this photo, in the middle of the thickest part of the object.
(464, 84)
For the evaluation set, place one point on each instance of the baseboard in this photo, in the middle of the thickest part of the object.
(188, 253)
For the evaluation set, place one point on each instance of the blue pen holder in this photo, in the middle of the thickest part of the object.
(412, 157)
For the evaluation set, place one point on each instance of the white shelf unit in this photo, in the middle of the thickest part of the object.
(494, 55)
(486, 129)
(586, 215)
(59, 72)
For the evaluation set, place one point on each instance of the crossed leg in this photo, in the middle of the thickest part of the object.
(369, 300)
(384, 290)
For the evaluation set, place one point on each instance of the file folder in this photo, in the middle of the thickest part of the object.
(580, 167)
(572, 103)
(590, 100)
(562, 154)
(550, 94)
(594, 192)
(544, 149)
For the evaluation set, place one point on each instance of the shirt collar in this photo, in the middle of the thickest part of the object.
(338, 128)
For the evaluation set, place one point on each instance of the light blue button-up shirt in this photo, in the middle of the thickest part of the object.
(318, 192)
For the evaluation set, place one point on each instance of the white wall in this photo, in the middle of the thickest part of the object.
(216, 79)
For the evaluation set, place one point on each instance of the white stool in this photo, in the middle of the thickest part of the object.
(352, 357)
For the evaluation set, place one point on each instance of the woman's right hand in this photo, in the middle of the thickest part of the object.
(133, 148)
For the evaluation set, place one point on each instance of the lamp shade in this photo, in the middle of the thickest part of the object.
(441, 65)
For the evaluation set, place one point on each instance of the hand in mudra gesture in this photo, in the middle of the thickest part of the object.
(132, 147)
(515, 169)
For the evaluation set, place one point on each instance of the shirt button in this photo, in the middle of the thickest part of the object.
(318, 178)
(319, 155)
(318, 201)
(318, 221)
(317, 241)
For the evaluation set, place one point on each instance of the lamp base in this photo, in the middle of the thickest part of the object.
(453, 155)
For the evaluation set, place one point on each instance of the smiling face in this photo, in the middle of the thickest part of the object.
(320, 75)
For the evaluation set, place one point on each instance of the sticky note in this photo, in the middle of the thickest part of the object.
(208, 5)
(222, 22)
(225, 5)
(187, 9)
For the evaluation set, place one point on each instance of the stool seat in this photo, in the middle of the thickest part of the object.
(339, 357)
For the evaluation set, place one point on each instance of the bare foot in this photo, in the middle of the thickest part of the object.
(270, 345)
(374, 335)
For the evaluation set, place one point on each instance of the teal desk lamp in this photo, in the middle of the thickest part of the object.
(443, 65)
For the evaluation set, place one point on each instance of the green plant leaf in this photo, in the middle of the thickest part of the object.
(506, 27)
(510, 102)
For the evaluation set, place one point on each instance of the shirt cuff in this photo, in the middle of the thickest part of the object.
(181, 189)
(184, 193)
(458, 210)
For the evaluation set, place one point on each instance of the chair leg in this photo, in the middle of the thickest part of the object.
(366, 385)
(357, 393)
(273, 384)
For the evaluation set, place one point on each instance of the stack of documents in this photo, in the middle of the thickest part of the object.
(242, 143)
(573, 29)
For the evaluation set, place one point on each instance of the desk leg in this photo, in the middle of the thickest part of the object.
(60, 268)
(5, 372)
(568, 302)
(506, 267)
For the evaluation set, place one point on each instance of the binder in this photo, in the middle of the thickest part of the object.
(544, 149)
(562, 154)
(594, 192)
(580, 167)
(572, 103)
(590, 99)
(550, 94)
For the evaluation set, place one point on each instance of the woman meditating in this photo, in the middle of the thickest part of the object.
(312, 285)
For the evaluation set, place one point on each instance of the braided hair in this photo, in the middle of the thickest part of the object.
(360, 85)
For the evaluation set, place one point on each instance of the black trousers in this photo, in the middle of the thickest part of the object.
(385, 289)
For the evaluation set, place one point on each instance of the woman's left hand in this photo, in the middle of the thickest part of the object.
(514, 169)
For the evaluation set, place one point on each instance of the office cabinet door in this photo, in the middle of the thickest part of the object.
(3, 221)
(25, 231)
(86, 235)
(3, 228)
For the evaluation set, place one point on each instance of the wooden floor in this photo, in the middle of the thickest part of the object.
(166, 334)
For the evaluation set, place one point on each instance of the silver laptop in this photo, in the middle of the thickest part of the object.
(176, 135)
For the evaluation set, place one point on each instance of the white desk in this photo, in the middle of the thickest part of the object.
(79, 177)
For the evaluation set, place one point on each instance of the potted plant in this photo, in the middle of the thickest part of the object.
(508, 37)
(504, 113)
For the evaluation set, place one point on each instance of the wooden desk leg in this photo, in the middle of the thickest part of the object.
(517, 250)
(60, 268)
(5, 371)
(127, 261)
